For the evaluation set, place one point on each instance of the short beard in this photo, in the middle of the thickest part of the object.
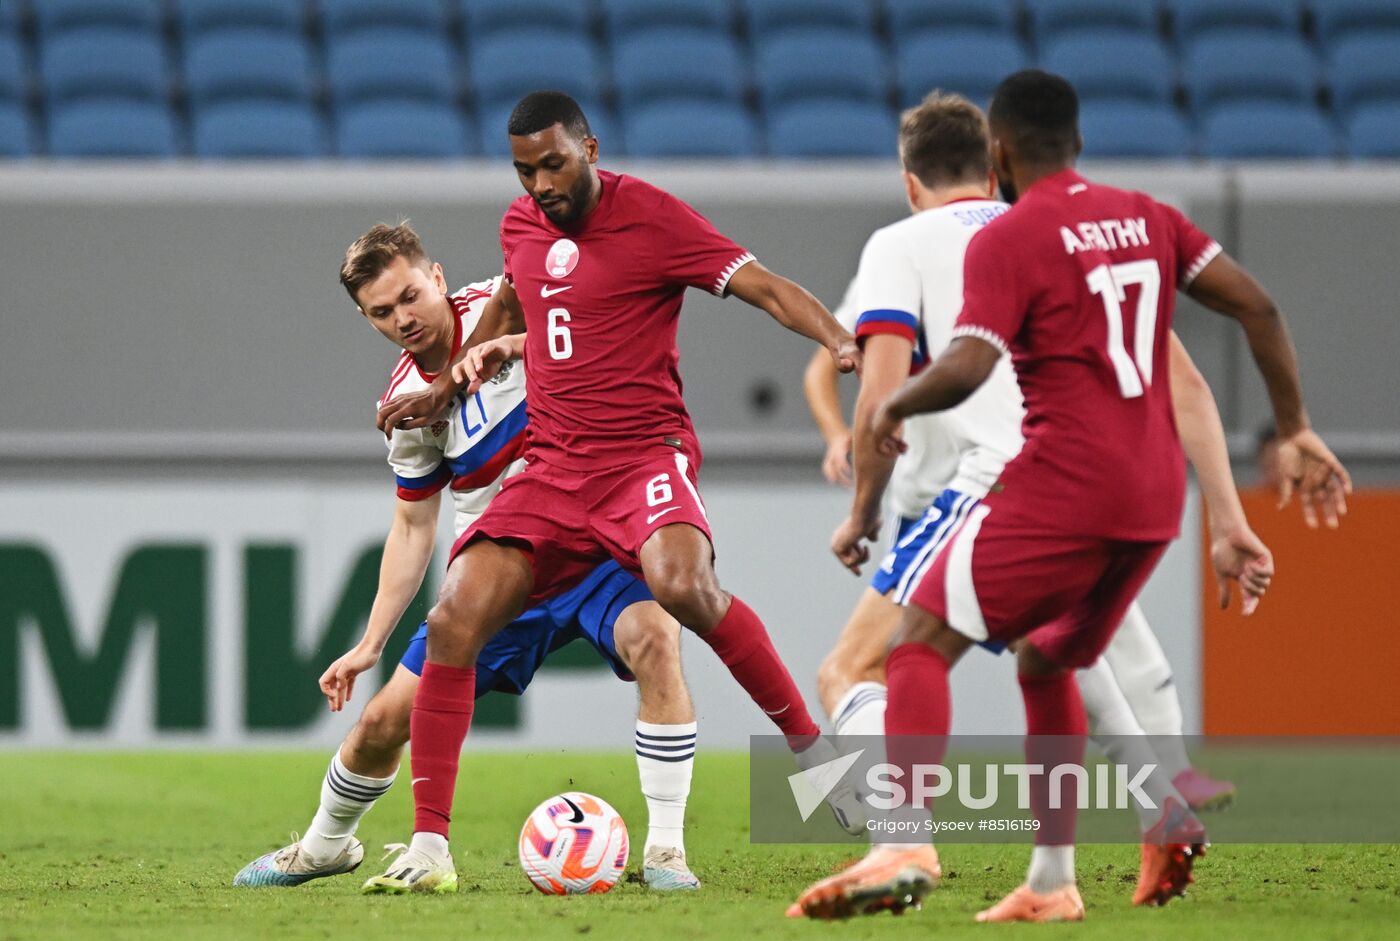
(578, 198)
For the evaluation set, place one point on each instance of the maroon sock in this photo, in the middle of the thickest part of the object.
(919, 710)
(741, 642)
(442, 713)
(1055, 731)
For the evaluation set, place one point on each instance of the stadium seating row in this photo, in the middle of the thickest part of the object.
(1043, 18)
(682, 80)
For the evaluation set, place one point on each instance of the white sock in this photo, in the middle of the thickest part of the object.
(345, 798)
(1052, 867)
(1115, 729)
(861, 711)
(665, 760)
(1145, 677)
(434, 844)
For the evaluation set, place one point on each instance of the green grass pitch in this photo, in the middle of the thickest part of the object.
(140, 845)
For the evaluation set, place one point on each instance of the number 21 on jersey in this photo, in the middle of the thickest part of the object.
(1109, 282)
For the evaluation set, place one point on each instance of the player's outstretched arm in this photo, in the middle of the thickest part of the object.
(794, 307)
(1237, 554)
(407, 550)
(958, 372)
(1306, 463)
(480, 363)
(823, 395)
(502, 315)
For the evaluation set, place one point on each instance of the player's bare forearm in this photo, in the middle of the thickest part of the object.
(887, 359)
(957, 373)
(794, 307)
(823, 395)
(407, 551)
(1203, 438)
(1228, 289)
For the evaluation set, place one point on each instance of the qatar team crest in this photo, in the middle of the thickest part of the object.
(562, 259)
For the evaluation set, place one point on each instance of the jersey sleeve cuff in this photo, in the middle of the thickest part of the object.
(722, 282)
(982, 333)
(1206, 256)
(414, 489)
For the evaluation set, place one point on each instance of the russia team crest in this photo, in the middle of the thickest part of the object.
(562, 259)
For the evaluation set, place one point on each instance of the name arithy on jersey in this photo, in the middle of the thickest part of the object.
(1106, 235)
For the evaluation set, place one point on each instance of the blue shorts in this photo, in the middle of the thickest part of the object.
(917, 542)
(589, 610)
(916, 545)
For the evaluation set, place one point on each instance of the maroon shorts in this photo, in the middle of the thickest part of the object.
(571, 521)
(1067, 594)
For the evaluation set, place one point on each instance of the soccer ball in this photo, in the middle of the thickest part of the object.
(573, 844)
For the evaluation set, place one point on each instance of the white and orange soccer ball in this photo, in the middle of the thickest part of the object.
(573, 844)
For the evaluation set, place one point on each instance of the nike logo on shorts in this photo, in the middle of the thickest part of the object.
(546, 291)
(656, 516)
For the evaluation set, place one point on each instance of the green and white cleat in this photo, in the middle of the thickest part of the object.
(665, 870)
(413, 871)
(289, 866)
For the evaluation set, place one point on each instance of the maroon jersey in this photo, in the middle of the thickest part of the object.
(601, 301)
(1078, 281)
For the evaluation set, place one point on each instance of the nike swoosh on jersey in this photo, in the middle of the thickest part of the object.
(547, 291)
(656, 516)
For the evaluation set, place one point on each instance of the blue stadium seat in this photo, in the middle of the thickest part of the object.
(14, 70)
(513, 64)
(968, 62)
(1268, 129)
(16, 130)
(495, 142)
(112, 129)
(1133, 129)
(407, 64)
(1365, 67)
(201, 16)
(681, 128)
(9, 17)
(1112, 64)
(671, 63)
(625, 17)
(1338, 18)
(108, 63)
(258, 129)
(1374, 130)
(248, 63)
(348, 16)
(818, 63)
(56, 16)
(839, 128)
(768, 17)
(484, 17)
(1050, 18)
(907, 17)
(1249, 64)
(1191, 18)
(402, 130)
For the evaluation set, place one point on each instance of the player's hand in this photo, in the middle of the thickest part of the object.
(413, 409)
(847, 354)
(338, 682)
(1307, 466)
(482, 363)
(884, 427)
(849, 541)
(836, 466)
(1239, 556)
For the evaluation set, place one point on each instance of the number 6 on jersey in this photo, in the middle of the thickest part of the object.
(561, 343)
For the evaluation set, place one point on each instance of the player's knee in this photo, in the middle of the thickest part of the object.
(381, 731)
(452, 628)
(693, 598)
(649, 642)
(833, 678)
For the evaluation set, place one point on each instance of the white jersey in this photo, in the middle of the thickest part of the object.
(910, 284)
(478, 443)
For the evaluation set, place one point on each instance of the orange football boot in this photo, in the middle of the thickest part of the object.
(1063, 904)
(884, 880)
(1169, 852)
